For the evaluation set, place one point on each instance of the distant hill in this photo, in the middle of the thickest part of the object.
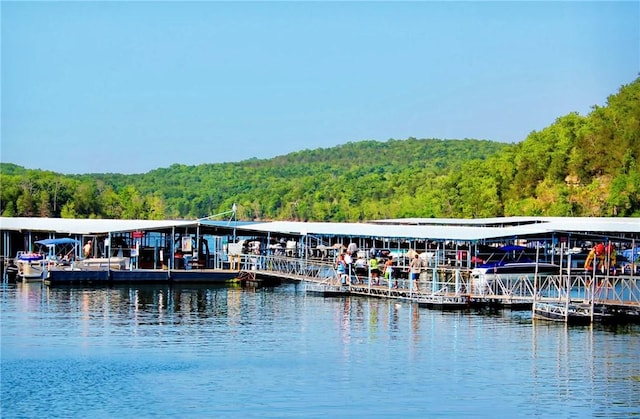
(579, 166)
(582, 166)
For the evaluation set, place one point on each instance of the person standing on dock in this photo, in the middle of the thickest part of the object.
(375, 270)
(348, 261)
(341, 268)
(590, 260)
(599, 249)
(361, 269)
(414, 270)
(86, 249)
(388, 269)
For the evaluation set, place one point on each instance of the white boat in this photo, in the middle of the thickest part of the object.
(506, 268)
(31, 266)
(52, 254)
(485, 277)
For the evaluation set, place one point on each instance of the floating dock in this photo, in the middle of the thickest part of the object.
(109, 276)
(255, 254)
(613, 299)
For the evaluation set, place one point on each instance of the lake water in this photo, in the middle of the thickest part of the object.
(276, 352)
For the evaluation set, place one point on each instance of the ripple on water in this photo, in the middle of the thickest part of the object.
(203, 351)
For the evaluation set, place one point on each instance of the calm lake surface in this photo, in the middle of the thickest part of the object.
(207, 351)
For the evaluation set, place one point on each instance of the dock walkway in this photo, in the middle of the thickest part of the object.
(451, 288)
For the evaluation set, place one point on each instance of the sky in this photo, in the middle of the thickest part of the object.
(128, 87)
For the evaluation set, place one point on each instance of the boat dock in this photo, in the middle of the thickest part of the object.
(447, 288)
(543, 264)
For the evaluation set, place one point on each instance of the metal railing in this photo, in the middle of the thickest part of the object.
(455, 282)
(289, 267)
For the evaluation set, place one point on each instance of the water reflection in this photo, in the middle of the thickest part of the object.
(606, 362)
(225, 346)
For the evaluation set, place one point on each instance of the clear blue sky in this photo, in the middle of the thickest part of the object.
(132, 86)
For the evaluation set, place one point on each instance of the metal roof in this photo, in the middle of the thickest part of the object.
(86, 226)
(593, 224)
(486, 222)
(414, 228)
(576, 224)
(440, 232)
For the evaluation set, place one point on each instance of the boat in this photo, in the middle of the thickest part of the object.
(10, 271)
(50, 254)
(506, 267)
(485, 277)
(31, 266)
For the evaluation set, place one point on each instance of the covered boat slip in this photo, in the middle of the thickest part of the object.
(551, 259)
(452, 288)
(122, 250)
(221, 251)
(207, 244)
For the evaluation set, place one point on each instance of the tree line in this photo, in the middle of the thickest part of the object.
(577, 166)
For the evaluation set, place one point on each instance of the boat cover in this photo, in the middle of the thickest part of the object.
(30, 256)
(512, 248)
(57, 242)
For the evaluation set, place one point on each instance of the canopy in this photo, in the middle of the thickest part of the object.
(57, 242)
(512, 248)
(30, 256)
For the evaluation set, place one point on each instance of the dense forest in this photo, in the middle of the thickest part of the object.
(578, 166)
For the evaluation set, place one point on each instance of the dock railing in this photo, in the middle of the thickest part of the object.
(290, 267)
(453, 281)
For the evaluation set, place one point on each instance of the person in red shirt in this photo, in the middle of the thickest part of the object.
(599, 248)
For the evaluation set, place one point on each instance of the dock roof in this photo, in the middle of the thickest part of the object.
(85, 226)
(409, 228)
(431, 232)
(579, 225)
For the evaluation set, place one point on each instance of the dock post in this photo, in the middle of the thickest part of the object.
(172, 253)
(434, 282)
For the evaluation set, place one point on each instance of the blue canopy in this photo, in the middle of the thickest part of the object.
(57, 242)
(511, 248)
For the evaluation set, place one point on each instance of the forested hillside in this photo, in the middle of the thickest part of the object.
(581, 166)
(578, 166)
